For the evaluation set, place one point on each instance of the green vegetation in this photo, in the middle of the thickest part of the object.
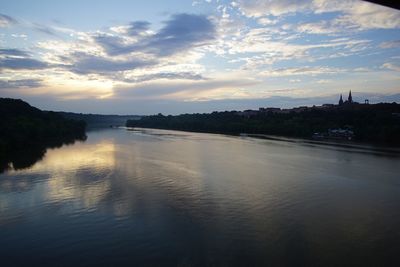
(26, 132)
(378, 123)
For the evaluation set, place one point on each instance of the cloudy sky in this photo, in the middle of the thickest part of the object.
(176, 56)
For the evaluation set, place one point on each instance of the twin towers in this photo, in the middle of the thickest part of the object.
(348, 101)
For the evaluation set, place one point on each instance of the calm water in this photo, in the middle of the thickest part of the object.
(152, 197)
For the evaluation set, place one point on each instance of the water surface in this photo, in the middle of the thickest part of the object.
(168, 198)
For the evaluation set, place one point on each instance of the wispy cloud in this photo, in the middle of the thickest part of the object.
(312, 71)
(321, 27)
(6, 21)
(44, 29)
(267, 52)
(258, 8)
(189, 90)
(390, 44)
(354, 13)
(391, 66)
(167, 76)
(24, 83)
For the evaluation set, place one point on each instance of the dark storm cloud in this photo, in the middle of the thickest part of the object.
(7, 20)
(29, 83)
(180, 33)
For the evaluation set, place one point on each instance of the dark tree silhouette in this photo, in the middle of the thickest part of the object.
(379, 123)
(26, 132)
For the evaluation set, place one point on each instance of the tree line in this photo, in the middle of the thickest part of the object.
(379, 123)
(26, 132)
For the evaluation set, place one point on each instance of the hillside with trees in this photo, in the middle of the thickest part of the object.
(26, 132)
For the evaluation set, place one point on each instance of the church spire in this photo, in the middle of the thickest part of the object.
(341, 100)
(350, 99)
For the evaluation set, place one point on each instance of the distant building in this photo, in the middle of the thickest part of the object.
(328, 106)
(396, 114)
(247, 113)
(300, 109)
(335, 134)
(349, 100)
(339, 133)
(266, 110)
(284, 111)
(341, 100)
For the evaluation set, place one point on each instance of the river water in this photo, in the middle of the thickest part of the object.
(169, 198)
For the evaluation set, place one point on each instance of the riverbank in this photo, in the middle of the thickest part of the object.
(26, 132)
(372, 124)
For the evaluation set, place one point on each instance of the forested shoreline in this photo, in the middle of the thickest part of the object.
(378, 123)
(26, 132)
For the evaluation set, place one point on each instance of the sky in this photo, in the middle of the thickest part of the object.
(185, 56)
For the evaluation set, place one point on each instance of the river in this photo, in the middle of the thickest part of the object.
(168, 198)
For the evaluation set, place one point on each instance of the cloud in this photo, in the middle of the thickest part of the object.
(267, 21)
(113, 45)
(85, 63)
(321, 27)
(258, 8)
(167, 76)
(364, 16)
(391, 66)
(390, 44)
(23, 83)
(16, 59)
(22, 64)
(23, 36)
(137, 28)
(44, 29)
(184, 90)
(4, 52)
(6, 21)
(354, 14)
(124, 54)
(313, 71)
(188, 57)
(133, 29)
(261, 50)
(180, 33)
(324, 81)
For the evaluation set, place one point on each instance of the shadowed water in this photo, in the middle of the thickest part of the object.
(153, 197)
